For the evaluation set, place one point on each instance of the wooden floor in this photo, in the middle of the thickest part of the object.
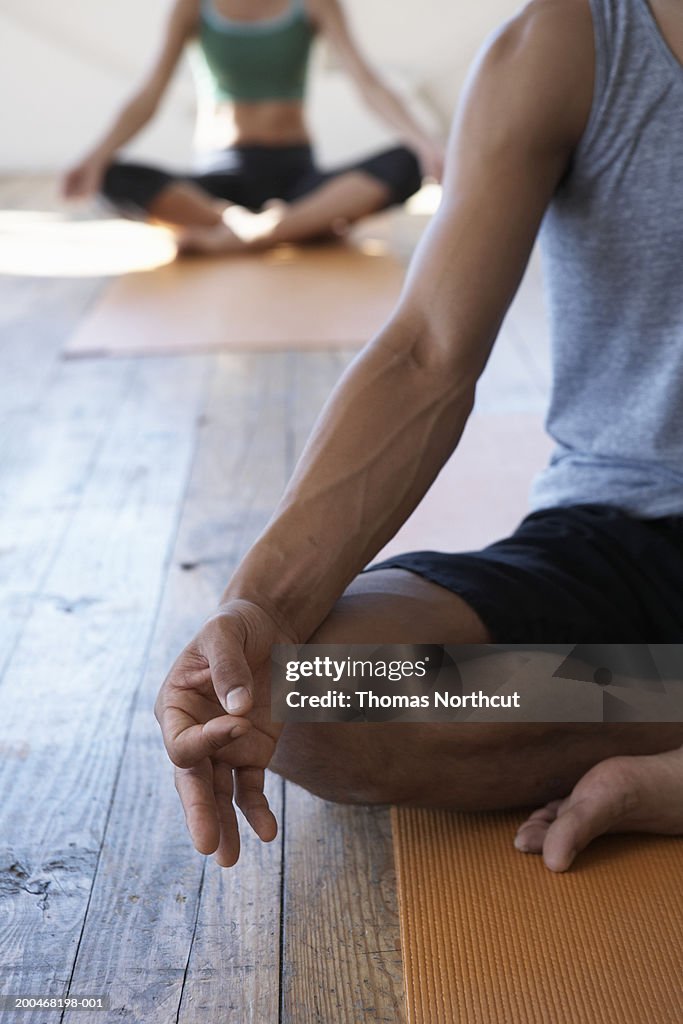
(128, 491)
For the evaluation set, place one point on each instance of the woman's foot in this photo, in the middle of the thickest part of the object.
(239, 231)
(217, 240)
(622, 794)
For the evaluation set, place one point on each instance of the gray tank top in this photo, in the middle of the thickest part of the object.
(612, 244)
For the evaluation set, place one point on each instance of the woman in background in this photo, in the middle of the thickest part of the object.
(256, 182)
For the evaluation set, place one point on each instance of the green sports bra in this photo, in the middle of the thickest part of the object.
(252, 61)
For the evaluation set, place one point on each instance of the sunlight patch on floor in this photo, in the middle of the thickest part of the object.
(38, 243)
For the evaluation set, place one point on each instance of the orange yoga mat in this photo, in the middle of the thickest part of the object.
(315, 297)
(490, 936)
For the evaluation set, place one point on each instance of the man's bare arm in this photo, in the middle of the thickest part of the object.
(400, 409)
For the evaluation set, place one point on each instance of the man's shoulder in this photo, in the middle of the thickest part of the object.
(541, 64)
(554, 26)
(550, 14)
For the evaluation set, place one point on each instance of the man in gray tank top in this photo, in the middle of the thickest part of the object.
(571, 125)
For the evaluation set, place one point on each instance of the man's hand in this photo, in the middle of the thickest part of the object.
(214, 713)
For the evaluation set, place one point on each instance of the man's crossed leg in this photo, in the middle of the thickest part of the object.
(586, 779)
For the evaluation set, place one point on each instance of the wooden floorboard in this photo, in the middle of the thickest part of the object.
(341, 935)
(36, 317)
(167, 936)
(67, 691)
(48, 454)
(52, 423)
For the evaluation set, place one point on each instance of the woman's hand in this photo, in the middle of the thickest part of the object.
(85, 179)
(214, 713)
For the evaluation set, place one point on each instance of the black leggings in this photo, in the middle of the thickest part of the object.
(251, 175)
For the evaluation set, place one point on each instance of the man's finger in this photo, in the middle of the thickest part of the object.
(230, 673)
(228, 850)
(531, 834)
(253, 803)
(188, 742)
(195, 789)
(575, 827)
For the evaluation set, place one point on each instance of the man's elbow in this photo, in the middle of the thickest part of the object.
(439, 354)
(447, 348)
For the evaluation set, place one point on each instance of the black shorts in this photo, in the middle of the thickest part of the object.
(251, 175)
(586, 573)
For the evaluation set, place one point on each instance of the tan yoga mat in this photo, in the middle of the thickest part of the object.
(490, 936)
(315, 297)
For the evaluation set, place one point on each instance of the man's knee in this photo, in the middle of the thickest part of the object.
(362, 763)
(392, 763)
(394, 606)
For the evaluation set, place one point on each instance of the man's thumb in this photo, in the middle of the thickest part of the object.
(231, 676)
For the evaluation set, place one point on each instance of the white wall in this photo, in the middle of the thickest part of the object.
(65, 65)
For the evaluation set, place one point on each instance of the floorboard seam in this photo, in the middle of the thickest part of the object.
(281, 952)
(192, 940)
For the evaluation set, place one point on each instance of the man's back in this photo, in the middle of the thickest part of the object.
(613, 248)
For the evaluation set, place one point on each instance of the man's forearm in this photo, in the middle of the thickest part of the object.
(390, 425)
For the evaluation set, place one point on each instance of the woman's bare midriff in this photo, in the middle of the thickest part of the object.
(273, 123)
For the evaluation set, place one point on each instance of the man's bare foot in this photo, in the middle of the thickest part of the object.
(621, 794)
